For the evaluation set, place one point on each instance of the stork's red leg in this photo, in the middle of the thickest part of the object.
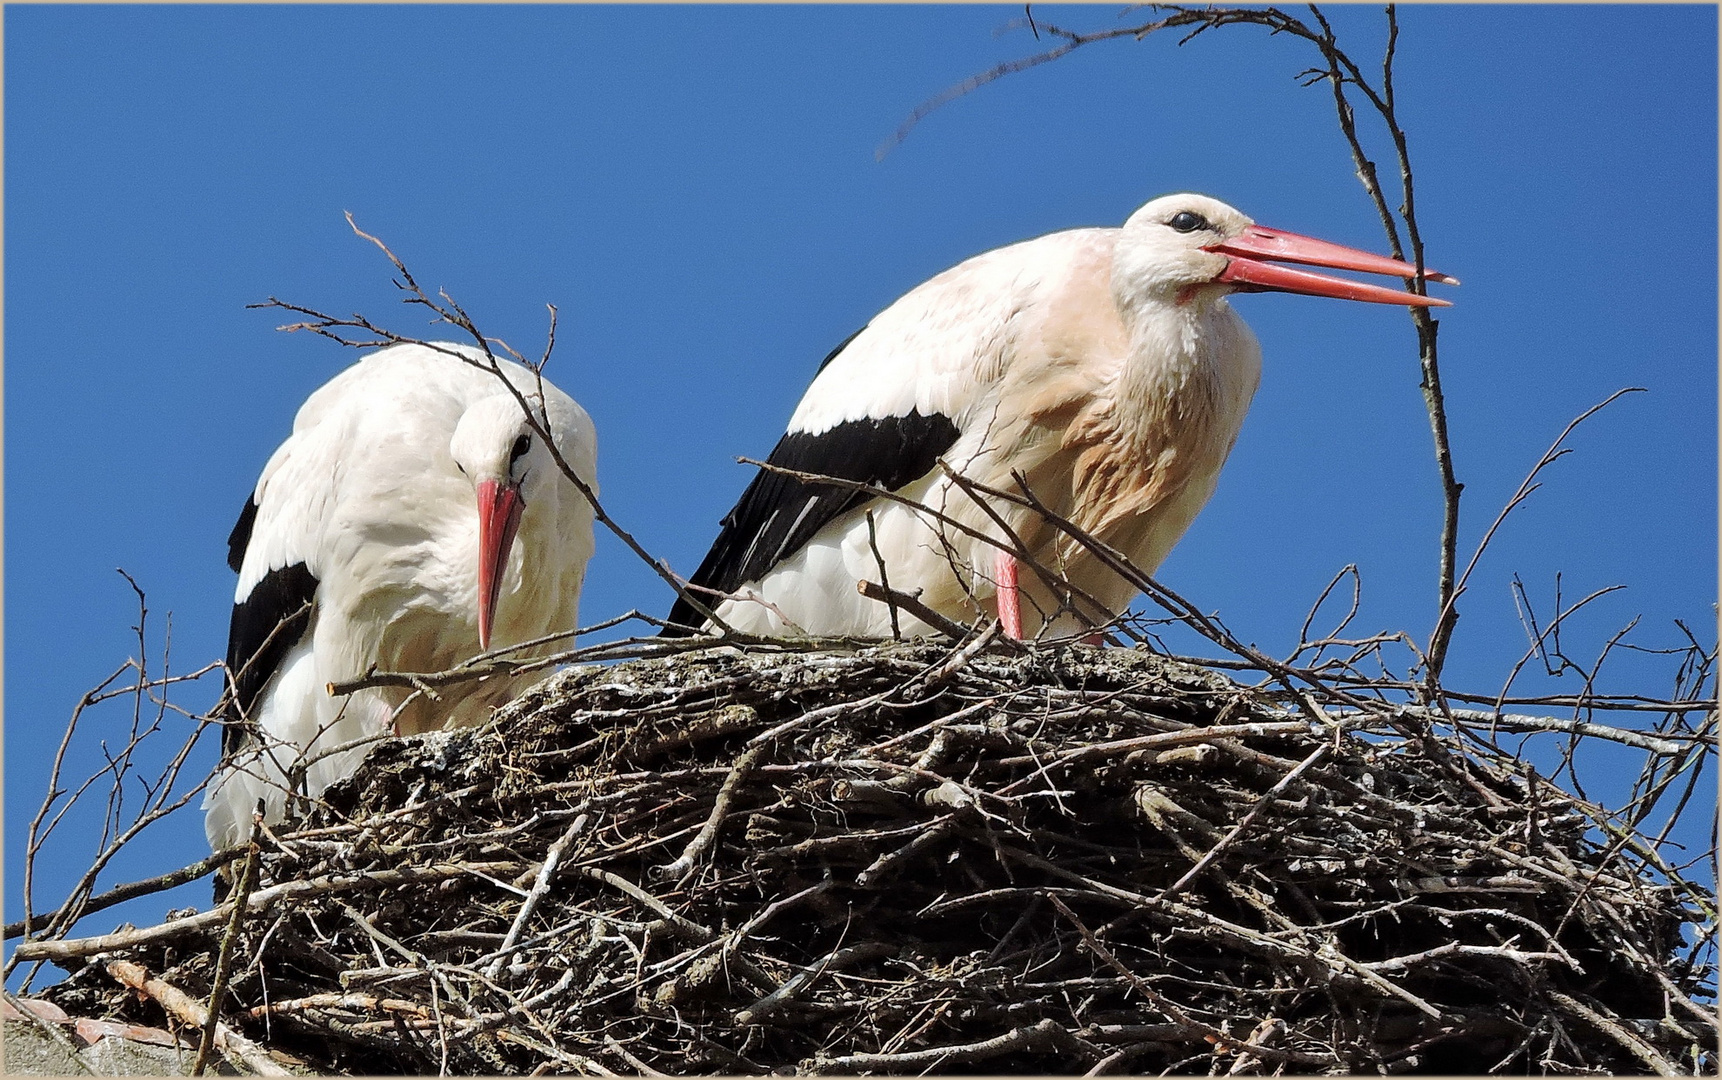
(1009, 600)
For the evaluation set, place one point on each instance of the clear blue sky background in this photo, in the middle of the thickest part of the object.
(696, 190)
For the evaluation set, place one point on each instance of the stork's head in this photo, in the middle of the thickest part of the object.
(1182, 247)
(506, 461)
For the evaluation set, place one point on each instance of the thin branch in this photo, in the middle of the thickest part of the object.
(242, 1051)
(224, 960)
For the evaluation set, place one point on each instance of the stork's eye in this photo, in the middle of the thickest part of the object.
(1188, 221)
(521, 445)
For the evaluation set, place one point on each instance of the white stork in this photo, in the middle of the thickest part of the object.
(411, 521)
(1103, 366)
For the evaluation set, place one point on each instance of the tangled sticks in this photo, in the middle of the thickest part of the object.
(905, 858)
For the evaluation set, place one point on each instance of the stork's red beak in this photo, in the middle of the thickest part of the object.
(499, 507)
(1248, 272)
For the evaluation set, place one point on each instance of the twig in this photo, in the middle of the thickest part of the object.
(884, 580)
(911, 602)
(1159, 1000)
(1526, 487)
(1167, 739)
(687, 926)
(1248, 819)
(540, 887)
(178, 1003)
(1639, 1048)
(1520, 722)
(223, 963)
(1045, 1034)
(119, 894)
(683, 867)
(959, 659)
(835, 961)
(72, 948)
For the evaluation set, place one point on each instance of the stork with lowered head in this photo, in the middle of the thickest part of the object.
(414, 519)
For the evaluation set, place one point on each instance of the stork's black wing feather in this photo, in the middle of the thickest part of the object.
(841, 345)
(269, 621)
(778, 514)
(240, 538)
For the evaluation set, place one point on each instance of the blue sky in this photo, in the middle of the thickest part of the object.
(696, 190)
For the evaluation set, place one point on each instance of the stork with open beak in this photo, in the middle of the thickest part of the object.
(412, 520)
(1104, 367)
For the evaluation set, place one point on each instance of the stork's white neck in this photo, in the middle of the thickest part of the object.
(1190, 373)
(1171, 342)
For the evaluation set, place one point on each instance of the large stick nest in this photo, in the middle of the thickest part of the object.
(904, 859)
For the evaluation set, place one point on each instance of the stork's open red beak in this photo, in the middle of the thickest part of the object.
(499, 507)
(1248, 272)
